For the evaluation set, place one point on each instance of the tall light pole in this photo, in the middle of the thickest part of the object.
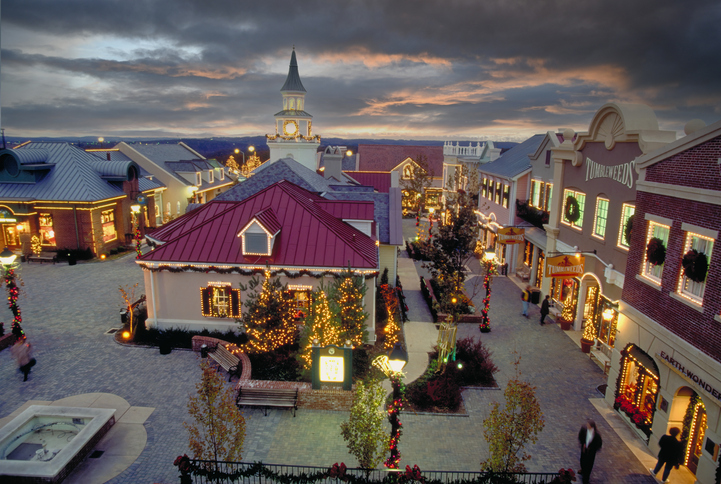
(489, 264)
(135, 213)
(392, 366)
(7, 258)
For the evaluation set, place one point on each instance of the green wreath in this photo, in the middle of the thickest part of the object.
(656, 251)
(573, 211)
(628, 230)
(695, 265)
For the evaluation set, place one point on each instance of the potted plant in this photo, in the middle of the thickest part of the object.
(588, 337)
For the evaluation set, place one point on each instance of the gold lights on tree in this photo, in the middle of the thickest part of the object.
(321, 326)
(346, 295)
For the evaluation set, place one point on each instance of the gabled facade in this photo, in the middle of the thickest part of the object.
(187, 176)
(67, 198)
(667, 356)
(299, 235)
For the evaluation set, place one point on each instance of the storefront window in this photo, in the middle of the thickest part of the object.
(539, 269)
(626, 213)
(581, 200)
(219, 300)
(607, 320)
(107, 219)
(528, 253)
(565, 294)
(599, 225)
(654, 271)
(47, 232)
(637, 387)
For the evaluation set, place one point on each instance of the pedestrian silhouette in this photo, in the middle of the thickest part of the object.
(671, 453)
(591, 442)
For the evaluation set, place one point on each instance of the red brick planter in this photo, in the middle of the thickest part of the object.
(7, 340)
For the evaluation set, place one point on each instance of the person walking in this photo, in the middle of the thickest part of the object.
(545, 305)
(671, 453)
(22, 353)
(591, 442)
(526, 297)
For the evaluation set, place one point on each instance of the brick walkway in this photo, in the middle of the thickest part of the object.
(67, 309)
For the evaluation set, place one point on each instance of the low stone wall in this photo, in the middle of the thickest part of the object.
(7, 340)
(328, 398)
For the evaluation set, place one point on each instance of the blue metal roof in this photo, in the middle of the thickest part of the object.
(71, 176)
(514, 161)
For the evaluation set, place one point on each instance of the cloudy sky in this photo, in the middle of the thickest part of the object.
(421, 69)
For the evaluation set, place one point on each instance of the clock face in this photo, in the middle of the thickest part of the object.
(290, 128)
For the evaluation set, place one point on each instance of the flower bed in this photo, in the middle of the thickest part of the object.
(639, 417)
(433, 306)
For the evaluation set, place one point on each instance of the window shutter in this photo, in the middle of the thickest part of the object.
(235, 303)
(206, 295)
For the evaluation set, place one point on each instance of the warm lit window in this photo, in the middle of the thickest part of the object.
(549, 193)
(210, 176)
(536, 193)
(222, 174)
(599, 225)
(218, 300)
(47, 232)
(498, 193)
(581, 201)
(198, 178)
(653, 268)
(693, 286)
(506, 195)
(484, 187)
(407, 172)
(107, 220)
(624, 235)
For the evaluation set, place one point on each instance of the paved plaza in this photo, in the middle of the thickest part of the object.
(67, 309)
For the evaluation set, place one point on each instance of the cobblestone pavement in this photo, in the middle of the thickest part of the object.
(67, 309)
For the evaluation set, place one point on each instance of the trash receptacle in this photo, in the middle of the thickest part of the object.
(164, 344)
(535, 295)
(204, 351)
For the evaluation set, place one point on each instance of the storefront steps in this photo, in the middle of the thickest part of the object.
(635, 444)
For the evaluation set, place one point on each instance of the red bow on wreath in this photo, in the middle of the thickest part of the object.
(337, 471)
(413, 474)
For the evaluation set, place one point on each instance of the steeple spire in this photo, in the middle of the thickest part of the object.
(292, 82)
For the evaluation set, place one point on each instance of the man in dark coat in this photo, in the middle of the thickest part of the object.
(591, 442)
(544, 309)
(671, 453)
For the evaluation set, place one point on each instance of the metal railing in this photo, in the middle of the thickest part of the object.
(256, 473)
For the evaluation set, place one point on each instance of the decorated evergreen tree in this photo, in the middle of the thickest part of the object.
(268, 318)
(320, 324)
(346, 295)
(218, 430)
(392, 329)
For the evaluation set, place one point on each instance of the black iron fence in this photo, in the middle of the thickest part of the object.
(201, 471)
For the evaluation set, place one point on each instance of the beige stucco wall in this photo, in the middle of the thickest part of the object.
(173, 299)
(388, 259)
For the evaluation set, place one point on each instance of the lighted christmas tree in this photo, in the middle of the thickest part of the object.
(321, 325)
(392, 329)
(232, 165)
(346, 295)
(268, 318)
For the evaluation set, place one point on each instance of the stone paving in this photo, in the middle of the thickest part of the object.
(66, 310)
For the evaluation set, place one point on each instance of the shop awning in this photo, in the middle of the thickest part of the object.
(645, 360)
(535, 235)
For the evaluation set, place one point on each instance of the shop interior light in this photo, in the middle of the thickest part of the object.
(489, 255)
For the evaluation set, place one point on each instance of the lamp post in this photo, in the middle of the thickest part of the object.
(489, 264)
(135, 211)
(392, 366)
(7, 258)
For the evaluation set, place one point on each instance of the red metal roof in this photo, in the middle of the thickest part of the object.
(387, 157)
(268, 220)
(380, 180)
(309, 235)
(348, 209)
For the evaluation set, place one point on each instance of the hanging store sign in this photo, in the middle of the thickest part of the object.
(511, 235)
(565, 266)
(6, 216)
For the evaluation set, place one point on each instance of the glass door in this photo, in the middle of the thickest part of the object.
(698, 432)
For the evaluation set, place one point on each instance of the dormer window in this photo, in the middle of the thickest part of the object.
(198, 180)
(222, 174)
(259, 235)
(210, 176)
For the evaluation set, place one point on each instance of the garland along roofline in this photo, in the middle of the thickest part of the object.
(251, 272)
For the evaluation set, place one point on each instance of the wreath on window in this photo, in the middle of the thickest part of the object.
(573, 211)
(695, 265)
(656, 251)
(628, 230)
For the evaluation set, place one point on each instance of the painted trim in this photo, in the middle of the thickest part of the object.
(695, 229)
(658, 219)
(678, 191)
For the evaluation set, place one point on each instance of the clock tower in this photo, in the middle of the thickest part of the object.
(293, 137)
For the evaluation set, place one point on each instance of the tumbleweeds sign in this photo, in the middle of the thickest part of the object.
(511, 235)
(565, 266)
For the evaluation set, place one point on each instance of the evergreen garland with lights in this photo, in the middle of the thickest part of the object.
(290, 274)
(268, 319)
(656, 251)
(392, 329)
(687, 420)
(695, 265)
(491, 270)
(573, 210)
(13, 295)
(394, 410)
(136, 230)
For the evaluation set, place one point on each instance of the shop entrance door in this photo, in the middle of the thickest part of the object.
(11, 235)
(698, 432)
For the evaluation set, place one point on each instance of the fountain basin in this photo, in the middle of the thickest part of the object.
(45, 443)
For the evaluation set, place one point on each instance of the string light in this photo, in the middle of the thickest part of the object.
(253, 270)
(392, 329)
(321, 325)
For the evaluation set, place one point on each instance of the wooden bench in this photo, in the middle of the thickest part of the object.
(602, 353)
(43, 257)
(268, 397)
(227, 360)
(523, 273)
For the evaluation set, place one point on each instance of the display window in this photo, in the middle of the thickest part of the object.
(564, 292)
(637, 387)
(107, 219)
(219, 300)
(47, 232)
(301, 302)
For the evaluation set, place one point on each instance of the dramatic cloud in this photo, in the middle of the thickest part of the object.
(502, 69)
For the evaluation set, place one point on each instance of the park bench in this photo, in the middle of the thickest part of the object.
(268, 397)
(226, 360)
(524, 273)
(602, 353)
(43, 257)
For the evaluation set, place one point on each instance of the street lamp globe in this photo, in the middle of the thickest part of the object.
(397, 358)
(7, 257)
(237, 151)
(251, 148)
(489, 255)
(135, 208)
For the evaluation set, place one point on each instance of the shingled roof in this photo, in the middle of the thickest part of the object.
(387, 157)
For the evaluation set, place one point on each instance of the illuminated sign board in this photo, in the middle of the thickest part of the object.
(565, 266)
(511, 235)
(332, 365)
(331, 369)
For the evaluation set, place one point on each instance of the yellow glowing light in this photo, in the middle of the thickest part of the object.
(102, 256)
(126, 334)
(251, 148)
(237, 151)
(19, 227)
(331, 368)
(489, 255)
(349, 153)
(608, 314)
(454, 300)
